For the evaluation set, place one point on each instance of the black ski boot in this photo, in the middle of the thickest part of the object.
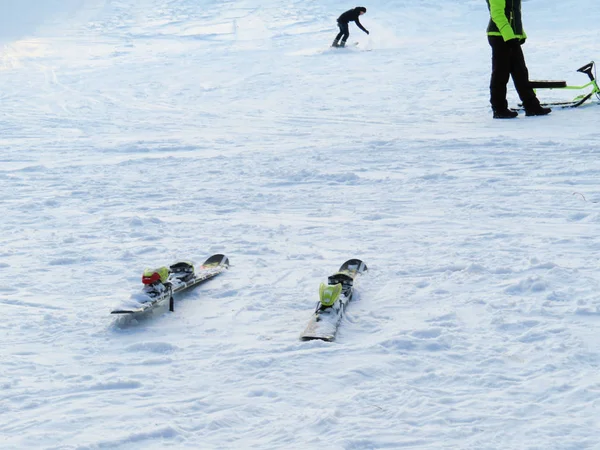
(537, 110)
(335, 43)
(342, 44)
(505, 114)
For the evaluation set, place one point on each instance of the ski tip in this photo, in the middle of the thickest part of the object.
(217, 260)
(354, 264)
(317, 338)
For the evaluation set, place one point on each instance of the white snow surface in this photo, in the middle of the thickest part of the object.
(138, 133)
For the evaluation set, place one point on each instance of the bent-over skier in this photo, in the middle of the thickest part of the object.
(351, 15)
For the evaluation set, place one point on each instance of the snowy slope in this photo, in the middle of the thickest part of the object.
(138, 133)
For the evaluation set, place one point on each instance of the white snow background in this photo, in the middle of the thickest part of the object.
(138, 133)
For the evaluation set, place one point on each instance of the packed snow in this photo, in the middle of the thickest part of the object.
(138, 133)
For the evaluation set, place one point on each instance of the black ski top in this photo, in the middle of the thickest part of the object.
(352, 16)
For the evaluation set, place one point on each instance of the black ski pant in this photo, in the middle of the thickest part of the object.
(344, 32)
(508, 62)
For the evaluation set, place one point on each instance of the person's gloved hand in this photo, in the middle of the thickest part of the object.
(367, 32)
(513, 43)
(522, 41)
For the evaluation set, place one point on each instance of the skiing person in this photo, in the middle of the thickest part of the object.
(506, 35)
(349, 16)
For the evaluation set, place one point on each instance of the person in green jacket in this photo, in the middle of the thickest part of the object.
(506, 35)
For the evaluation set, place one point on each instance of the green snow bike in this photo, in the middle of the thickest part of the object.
(590, 89)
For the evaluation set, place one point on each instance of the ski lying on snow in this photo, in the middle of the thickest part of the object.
(160, 284)
(333, 298)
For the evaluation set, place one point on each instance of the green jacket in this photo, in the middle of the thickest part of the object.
(505, 19)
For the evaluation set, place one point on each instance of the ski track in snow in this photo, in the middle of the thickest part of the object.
(136, 134)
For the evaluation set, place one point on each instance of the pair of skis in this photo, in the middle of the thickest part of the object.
(161, 284)
(333, 299)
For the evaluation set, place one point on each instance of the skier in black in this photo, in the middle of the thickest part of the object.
(349, 16)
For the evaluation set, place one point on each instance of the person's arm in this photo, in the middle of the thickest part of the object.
(497, 8)
(359, 25)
